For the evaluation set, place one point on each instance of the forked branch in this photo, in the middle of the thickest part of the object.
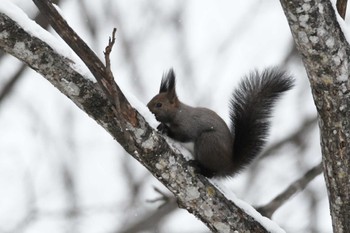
(108, 81)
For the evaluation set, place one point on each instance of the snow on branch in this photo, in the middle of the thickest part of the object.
(193, 192)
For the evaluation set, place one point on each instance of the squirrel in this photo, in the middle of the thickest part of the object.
(220, 151)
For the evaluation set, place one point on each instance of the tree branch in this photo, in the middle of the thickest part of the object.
(193, 192)
(325, 54)
(153, 219)
(296, 138)
(7, 88)
(108, 80)
(90, 59)
(148, 223)
(297, 186)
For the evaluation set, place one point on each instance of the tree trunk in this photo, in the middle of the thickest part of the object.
(325, 53)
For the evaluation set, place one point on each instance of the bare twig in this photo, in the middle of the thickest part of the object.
(11, 83)
(90, 59)
(107, 52)
(134, 181)
(297, 138)
(297, 186)
(74, 41)
(341, 7)
(163, 197)
(108, 80)
(151, 220)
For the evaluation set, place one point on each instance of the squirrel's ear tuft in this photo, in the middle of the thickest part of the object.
(168, 82)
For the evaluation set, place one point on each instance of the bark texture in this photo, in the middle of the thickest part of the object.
(325, 53)
(193, 192)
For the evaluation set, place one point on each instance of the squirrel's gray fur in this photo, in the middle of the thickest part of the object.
(219, 150)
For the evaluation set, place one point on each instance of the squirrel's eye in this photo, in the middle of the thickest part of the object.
(158, 105)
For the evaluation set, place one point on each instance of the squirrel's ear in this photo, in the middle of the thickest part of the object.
(168, 81)
(171, 84)
(168, 85)
(164, 84)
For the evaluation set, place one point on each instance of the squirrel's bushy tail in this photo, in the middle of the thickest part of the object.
(251, 106)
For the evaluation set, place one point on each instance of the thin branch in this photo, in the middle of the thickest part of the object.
(107, 52)
(90, 59)
(8, 87)
(297, 186)
(74, 41)
(135, 183)
(163, 197)
(341, 7)
(152, 219)
(297, 138)
(108, 80)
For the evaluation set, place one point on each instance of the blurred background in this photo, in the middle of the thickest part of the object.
(61, 172)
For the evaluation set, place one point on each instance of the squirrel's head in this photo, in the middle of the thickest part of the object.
(165, 104)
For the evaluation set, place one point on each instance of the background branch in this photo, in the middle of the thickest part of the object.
(269, 209)
(7, 88)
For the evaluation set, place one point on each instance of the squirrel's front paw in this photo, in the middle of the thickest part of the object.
(163, 128)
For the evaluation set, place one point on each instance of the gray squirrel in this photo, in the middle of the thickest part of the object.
(218, 150)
